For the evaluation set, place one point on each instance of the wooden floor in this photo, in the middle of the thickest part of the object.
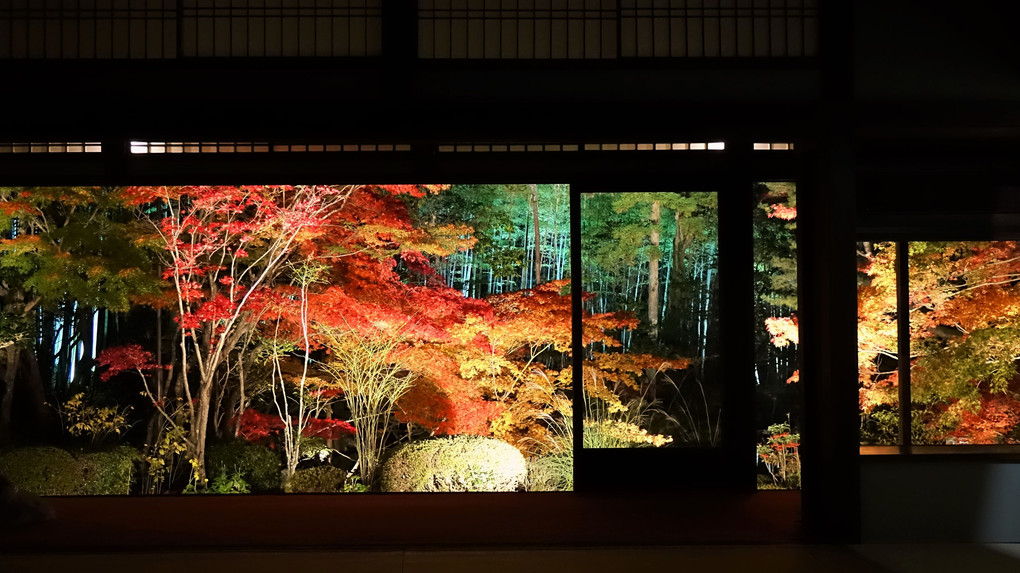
(757, 559)
(689, 559)
(469, 533)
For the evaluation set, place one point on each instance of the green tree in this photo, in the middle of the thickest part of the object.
(521, 235)
(775, 300)
(636, 241)
(65, 252)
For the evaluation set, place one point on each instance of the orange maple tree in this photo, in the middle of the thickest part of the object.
(964, 313)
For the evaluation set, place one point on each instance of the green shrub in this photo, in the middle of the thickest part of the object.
(457, 463)
(780, 454)
(256, 465)
(42, 471)
(108, 472)
(552, 472)
(52, 471)
(228, 483)
(354, 485)
(321, 479)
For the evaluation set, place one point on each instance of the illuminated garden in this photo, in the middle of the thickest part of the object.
(384, 338)
(963, 314)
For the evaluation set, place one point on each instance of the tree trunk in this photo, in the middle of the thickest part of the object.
(216, 409)
(524, 268)
(44, 417)
(159, 351)
(679, 250)
(7, 399)
(538, 238)
(228, 419)
(554, 263)
(653, 275)
(200, 428)
(241, 374)
(467, 275)
(45, 322)
(707, 311)
(680, 302)
(67, 345)
(86, 320)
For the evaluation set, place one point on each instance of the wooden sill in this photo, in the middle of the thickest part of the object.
(411, 521)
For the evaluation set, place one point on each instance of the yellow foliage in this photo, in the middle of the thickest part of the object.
(623, 432)
(539, 400)
(83, 420)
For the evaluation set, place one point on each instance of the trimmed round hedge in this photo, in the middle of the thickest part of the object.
(47, 470)
(108, 472)
(321, 479)
(452, 464)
